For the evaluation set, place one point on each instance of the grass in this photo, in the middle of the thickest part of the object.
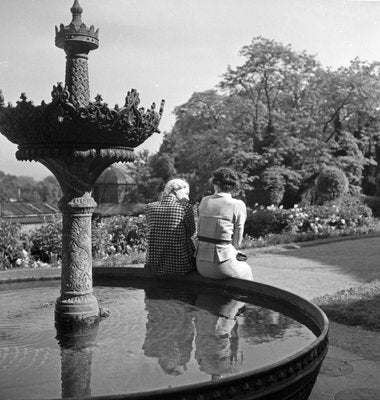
(357, 306)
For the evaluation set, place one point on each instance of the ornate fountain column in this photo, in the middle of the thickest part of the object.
(76, 176)
(77, 139)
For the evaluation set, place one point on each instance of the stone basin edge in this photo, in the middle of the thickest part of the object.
(291, 378)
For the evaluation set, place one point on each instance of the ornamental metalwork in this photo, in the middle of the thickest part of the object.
(77, 138)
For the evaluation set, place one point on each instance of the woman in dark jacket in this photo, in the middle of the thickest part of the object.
(170, 228)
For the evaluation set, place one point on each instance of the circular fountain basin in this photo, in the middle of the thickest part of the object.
(166, 338)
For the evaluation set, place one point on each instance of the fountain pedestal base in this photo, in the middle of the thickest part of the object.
(77, 310)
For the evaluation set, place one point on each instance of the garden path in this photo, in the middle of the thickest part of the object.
(313, 271)
(351, 369)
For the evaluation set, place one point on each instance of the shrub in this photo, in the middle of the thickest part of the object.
(12, 251)
(350, 216)
(101, 239)
(373, 202)
(274, 184)
(47, 240)
(331, 184)
(119, 235)
(263, 221)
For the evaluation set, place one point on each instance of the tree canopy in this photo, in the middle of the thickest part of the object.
(279, 119)
(26, 188)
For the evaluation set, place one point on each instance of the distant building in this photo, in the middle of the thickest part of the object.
(110, 191)
(29, 215)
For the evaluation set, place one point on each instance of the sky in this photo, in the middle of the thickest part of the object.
(168, 49)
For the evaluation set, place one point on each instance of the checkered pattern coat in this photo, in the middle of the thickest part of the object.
(170, 228)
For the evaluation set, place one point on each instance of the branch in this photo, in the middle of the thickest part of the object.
(334, 116)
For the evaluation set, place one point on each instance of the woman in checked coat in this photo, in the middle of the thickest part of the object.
(170, 228)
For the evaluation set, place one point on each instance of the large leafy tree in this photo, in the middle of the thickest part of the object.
(279, 119)
(207, 135)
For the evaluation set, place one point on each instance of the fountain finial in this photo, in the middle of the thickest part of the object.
(76, 11)
(77, 32)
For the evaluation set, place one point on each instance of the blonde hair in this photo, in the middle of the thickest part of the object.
(175, 184)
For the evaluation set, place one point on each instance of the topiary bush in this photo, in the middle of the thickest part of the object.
(331, 184)
(274, 185)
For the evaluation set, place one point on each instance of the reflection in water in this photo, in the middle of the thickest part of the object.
(169, 328)
(174, 317)
(173, 336)
(217, 322)
(217, 342)
(262, 325)
(76, 356)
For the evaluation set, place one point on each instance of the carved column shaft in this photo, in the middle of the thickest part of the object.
(77, 303)
(76, 79)
(76, 175)
(76, 249)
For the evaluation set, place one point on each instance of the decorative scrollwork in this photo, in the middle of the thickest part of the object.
(64, 123)
(60, 93)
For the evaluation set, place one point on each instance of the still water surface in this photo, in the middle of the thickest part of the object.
(154, 338)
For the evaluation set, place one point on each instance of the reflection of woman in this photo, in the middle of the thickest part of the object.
(170, 228)
(169, 329)
(217, 342)
(220, 230)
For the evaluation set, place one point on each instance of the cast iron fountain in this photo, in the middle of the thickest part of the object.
(77, 139)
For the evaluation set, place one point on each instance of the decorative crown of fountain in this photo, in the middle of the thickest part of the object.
(71, 120)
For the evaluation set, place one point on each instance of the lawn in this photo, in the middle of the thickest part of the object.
(359, 306)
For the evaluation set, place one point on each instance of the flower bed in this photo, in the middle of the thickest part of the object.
(274, 225)
(127, 236)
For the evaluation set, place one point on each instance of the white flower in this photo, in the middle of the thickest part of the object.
(18, 261)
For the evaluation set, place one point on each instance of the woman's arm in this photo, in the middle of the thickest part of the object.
(240, 215)
(189, 220)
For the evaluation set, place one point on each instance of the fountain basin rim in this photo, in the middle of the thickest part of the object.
(289, 375)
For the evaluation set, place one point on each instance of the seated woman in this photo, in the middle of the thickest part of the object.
(170, 228)
(220, 230)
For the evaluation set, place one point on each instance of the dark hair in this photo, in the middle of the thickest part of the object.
(226, 179)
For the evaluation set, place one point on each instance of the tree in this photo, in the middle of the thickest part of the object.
(49, 190)
(205, 137)
(279, 119)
